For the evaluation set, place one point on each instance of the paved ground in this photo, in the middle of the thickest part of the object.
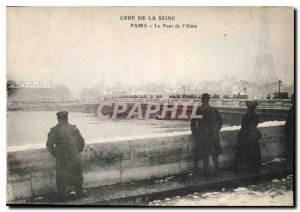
(142, 192)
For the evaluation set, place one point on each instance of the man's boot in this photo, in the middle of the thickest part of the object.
(61, 193)
(205, 166)
(216, 164)
(79, 191)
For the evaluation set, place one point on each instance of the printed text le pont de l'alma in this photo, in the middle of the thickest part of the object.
(155, 25)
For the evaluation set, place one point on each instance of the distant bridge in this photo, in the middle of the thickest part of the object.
(231, 110)
(262, 103)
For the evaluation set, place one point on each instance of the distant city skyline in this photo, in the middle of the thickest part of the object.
(78, 47)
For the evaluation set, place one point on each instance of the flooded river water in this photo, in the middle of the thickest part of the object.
(30, 127)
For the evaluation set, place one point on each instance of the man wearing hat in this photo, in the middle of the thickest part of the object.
(205, 133)
(65, 143)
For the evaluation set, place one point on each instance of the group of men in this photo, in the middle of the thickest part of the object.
(66, 144)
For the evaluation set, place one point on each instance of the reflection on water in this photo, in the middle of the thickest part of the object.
(24, 127)
(276, 192)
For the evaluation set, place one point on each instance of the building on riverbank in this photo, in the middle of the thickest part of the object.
(38, 92)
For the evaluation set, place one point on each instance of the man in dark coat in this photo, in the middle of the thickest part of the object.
(205, 133)
(66, 144)
(290, 132)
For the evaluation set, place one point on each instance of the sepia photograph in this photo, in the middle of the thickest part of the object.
(150, 106)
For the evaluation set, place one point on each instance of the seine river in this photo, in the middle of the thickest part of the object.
(29, 127)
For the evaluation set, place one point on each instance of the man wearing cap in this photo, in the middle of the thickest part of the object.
(205, 133)
(66, 144)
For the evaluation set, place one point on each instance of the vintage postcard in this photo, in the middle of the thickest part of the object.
(150, 106)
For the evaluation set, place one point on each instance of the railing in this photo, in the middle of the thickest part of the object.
(213, 102)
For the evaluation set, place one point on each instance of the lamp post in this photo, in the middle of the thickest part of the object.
(279, 83)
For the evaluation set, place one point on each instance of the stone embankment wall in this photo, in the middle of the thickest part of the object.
(31, 172)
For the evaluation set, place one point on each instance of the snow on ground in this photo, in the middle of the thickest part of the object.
(269, 193)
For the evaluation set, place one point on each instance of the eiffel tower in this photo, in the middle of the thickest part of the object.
(264, 58)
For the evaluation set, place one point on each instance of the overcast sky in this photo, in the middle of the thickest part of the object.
(79, 46)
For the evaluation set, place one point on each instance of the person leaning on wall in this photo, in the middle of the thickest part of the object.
(289, 131)
(65, 143)
(248, 157)
(205, 132)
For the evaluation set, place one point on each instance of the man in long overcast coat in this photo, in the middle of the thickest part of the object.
(290, 132)
(66, 144)
(205, 133)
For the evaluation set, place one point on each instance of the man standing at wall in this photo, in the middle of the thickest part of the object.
(290, 132)
(66, 144)
(205, 133)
